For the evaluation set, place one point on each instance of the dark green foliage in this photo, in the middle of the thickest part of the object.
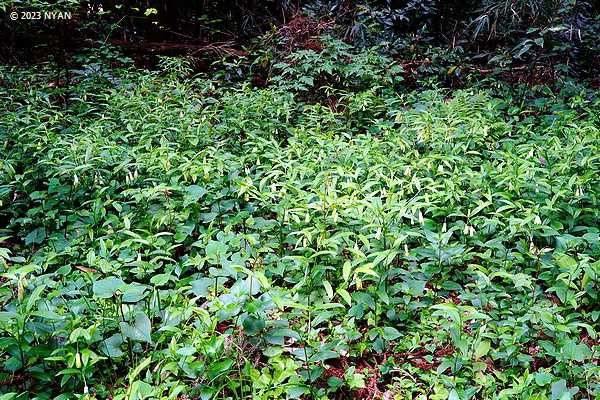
(528, 40)
(164, 234)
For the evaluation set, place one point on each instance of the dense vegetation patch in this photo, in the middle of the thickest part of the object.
(454, 40)
(164, 236)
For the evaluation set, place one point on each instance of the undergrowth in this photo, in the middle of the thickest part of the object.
(166, 236)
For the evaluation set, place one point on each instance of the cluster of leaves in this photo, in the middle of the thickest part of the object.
(495, 33)
(444, 41)
(92, 21)
(337, 70)
(162, 237)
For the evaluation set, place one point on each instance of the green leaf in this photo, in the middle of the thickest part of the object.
(193, 194)
(140, 330)
(106, 288)
(447, 310)
(576, 352)
(284, 332)
(328, 289)
(36, 236)
(150, 11)
(482, 349)
(543, 378)
(186, 351)
(521, 280)
(204, 286)
(323, 355)
(346, 269)
(7, 316)
(141, 366)
(560, 391)
(453, 395)
(4, 253)
(253, 325)
(134, 292)
(161, 279)
(367, 269)
(140, 390)
(262, 279)
(354, 379)
(390, 333)
(34, 297)
(344, 295)
(219, 368)
(215, 250)
(295, 391)
(111, 346)
(414, 287)
(523, 50)
(566, 262)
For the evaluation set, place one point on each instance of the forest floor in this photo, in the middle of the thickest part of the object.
(321, 231)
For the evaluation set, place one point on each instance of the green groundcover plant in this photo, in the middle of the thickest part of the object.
(164, 235)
